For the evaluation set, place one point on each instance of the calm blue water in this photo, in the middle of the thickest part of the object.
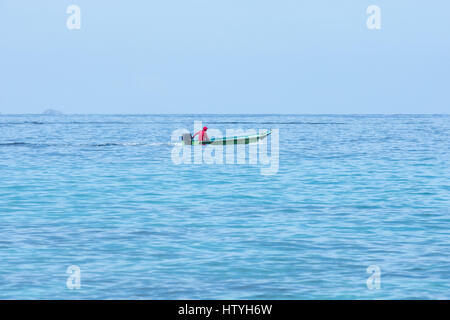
(102, 193)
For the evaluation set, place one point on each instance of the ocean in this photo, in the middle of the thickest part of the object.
(94, 207)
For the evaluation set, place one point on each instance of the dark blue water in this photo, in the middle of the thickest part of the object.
(103, 193)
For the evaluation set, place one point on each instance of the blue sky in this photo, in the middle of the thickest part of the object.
(225, 56)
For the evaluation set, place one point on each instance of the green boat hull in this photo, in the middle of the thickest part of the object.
(233, 140)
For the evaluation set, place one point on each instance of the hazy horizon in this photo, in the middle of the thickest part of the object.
(236, 113)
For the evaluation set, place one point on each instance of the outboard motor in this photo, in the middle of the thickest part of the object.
(187, 139)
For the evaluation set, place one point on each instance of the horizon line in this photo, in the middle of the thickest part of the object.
(213, 114)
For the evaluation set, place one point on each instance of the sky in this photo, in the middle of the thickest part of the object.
(225, 56)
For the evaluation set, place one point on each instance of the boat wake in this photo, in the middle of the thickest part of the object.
(104, 144)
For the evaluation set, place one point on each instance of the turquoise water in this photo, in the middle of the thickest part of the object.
(102, 193)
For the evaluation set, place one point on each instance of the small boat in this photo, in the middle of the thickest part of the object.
(187, 139)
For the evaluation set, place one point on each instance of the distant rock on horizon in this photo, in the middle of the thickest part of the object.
(52, 112)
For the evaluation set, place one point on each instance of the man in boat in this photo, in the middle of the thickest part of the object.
(202, 135)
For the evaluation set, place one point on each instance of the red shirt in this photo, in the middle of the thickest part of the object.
(202, 136)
